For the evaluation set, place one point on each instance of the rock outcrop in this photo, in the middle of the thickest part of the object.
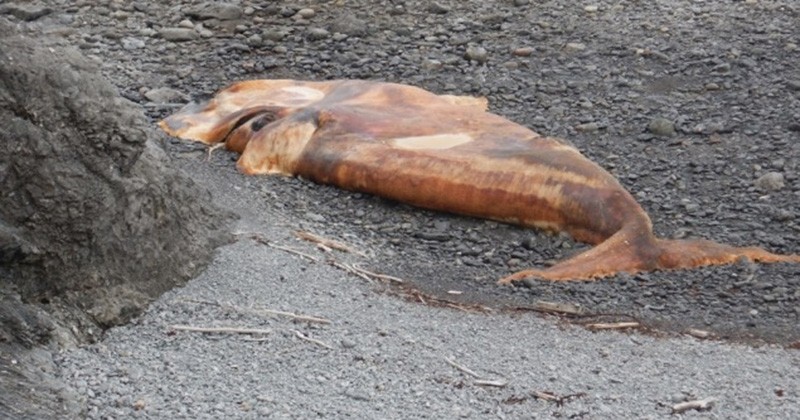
(93, 221)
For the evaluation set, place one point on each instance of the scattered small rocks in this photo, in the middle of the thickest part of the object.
(216, 10)
(164, 95)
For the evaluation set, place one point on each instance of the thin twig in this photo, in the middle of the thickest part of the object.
(261, 240)
(329, 243)
(697, 333)
(495, 383)
(350, 269)
(545, 396)
(558, 308)
(612, 326)
(297, 317)
(699, 405)
(311, 340)
(559, 400)
(377, 275)
(223, 330)
(466, 370)
(212, 148)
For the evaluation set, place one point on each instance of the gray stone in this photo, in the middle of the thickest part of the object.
(316, 34)
(770, 181)
(661, 127)
(165, 95)
(216, 10)
(475, 53)
(26, 12)
(178, 34)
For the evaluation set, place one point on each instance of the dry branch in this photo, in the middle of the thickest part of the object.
(260, 311)
(557, 308)
(328, 243)
(364, 274)
(466, 370)
(311, 340)
(220, 330)
(486, 382)
(559, 400)
(212, 148)
(296, 317)
(699, 405)
(612, 325)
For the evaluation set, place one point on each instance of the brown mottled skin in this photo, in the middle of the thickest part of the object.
(355, 135)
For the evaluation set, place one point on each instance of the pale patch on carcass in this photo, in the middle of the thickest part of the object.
(302, 95)
(432, 142)
(479, 103)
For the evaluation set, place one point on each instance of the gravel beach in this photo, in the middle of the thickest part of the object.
(694, 106)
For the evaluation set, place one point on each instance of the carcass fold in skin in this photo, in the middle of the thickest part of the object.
(444, 153)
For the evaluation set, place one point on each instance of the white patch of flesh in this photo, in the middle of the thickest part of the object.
(433, 142)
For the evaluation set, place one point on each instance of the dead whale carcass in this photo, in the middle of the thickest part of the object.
(444, 153)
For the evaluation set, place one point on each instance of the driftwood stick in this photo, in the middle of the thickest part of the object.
(350, 269)
(212, 148)
(377, 275)
(612, 326)
(292, 251)
(493, 383)
(297, 317)
(545, 396)
(699, 405)
(558, 399)
(558, 308)
(220, 330)
(329, 243)
(259, 311)
(311, 340)
(260, 239)
(466, 370)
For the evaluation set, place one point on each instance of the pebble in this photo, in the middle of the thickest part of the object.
(177, 34)
(254, 40)
(217, 10)
(165, 95)
(132, 43)
(591, 8)
(520, 3)
(273, 34)
(350, 25)
(771, 181)
(475, 53)
(661, 127)
(587, 127)
(306, 13)
(438, 8)
(575, 46)
(522, 51)
(316, 34)
(26, 12)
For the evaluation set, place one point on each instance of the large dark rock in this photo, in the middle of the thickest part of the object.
(93, 222)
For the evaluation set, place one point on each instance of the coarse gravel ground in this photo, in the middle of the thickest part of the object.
(694, 106)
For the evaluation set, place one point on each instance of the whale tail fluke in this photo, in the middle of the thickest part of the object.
(633, 250)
